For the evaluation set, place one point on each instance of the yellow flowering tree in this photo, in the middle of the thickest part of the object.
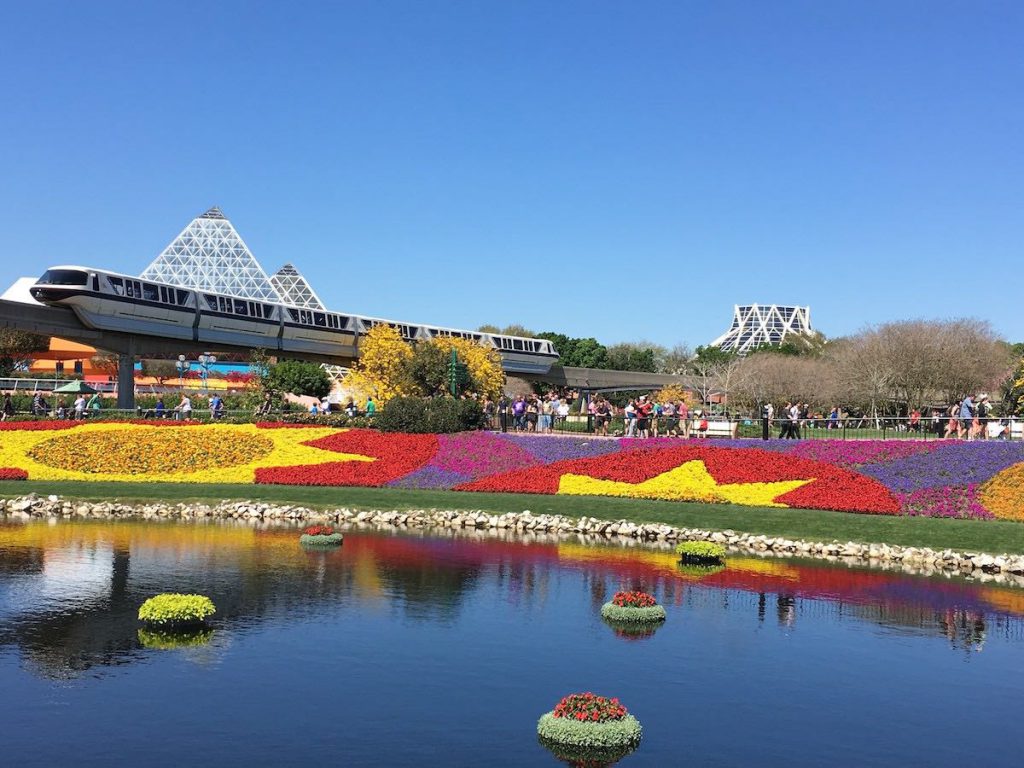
(381, 370)
(673, 393)
(482, 363)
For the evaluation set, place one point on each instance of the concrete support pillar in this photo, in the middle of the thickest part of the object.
(126, 379)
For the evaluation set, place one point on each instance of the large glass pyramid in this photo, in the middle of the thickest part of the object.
(294, 289)
(209, 255)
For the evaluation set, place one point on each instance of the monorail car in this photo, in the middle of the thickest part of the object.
(114, 302)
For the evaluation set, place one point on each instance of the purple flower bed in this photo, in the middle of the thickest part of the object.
(857, 453)
(949, 464)
(547, 449)
(430, 478)
(944, 502)
(478, 454)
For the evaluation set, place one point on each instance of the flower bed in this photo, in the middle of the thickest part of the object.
(320, 536)
(633, 608)
(586, 721)
(975, 480)
(171, 610)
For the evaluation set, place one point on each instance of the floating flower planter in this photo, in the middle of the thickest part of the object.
(704, 553)
(633, 608)
(585, 726)
(165, 641)
(320, 536)
(172, 611)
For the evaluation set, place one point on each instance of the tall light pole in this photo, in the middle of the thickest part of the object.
(206, 361)
(183, 366)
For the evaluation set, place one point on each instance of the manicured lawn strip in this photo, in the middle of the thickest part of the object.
(814, 525)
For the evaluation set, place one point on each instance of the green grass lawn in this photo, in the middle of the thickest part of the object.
(815, 525)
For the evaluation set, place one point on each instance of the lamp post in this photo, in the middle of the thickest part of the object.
(206, 361)
(183, 366)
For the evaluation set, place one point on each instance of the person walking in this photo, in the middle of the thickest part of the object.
(8, 410)
(94, 405)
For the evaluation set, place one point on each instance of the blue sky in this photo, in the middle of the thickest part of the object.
(621, 170)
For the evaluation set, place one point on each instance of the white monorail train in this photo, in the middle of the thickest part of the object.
(112, 302)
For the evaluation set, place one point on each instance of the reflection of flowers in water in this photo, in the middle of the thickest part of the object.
(586, 757)
(165, 641)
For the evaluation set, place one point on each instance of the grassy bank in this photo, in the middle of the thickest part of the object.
(814, 525)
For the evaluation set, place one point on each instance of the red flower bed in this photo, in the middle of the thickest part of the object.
(830, 487)
(395, 455)
(319, 530)
(38, 425)
(634, 600)
(589, 707)
(12, 473)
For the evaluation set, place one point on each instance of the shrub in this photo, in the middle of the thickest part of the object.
(439, 415)
(170, 610)
(700, 552)
(590, 722)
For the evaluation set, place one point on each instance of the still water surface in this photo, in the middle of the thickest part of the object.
(425, 649)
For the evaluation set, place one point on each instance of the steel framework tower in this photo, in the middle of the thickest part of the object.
(755, 325)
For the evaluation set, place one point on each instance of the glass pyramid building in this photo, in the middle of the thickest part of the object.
(209, 255)
(294, 289)
(757, 325)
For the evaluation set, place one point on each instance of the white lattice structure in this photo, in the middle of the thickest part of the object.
(756, 325)
(209, 255)
(294, 289)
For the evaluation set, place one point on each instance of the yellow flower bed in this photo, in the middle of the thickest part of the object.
(217, 453)
(1003, 493)
(688, 482)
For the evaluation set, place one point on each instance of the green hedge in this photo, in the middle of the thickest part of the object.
(569, 732)
(439, 415)
(632, 614)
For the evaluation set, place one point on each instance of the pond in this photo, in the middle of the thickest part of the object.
(442, 648)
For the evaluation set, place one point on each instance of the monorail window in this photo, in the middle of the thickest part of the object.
(319, 318)
(241, 307)
(150, 293)
(182, 297)
(517, 344)
(116, 285)
(163, 295)
(211, 301)
(293, 314)
(64, 277)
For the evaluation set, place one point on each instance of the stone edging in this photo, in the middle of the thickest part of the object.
(921, 560)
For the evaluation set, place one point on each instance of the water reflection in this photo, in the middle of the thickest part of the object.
(69, 592)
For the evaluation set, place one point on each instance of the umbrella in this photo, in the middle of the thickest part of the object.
(74, 388)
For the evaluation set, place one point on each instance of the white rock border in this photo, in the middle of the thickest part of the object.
(920, 560)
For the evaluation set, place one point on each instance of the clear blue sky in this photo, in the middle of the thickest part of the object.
(615, 169)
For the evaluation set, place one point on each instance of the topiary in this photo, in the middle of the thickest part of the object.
(700, 552)
(633, 607)
(175, 610)
(320, 536)
(586, 721)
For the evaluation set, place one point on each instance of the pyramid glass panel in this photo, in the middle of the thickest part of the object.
(209, 255)
(294, 289)
(756, 325)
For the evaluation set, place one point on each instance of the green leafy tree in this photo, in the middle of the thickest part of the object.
(427, 369)
(299, 378)
(576, 352)
(16, 348)
(630, 356)
(161, 370)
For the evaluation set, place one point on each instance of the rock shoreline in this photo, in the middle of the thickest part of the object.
(919, 560)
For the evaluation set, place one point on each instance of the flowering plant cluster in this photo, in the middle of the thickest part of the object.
(700, 551)
(318, 530)
(973, 480)
(634, 600)
(590, 707)
(171, 609)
